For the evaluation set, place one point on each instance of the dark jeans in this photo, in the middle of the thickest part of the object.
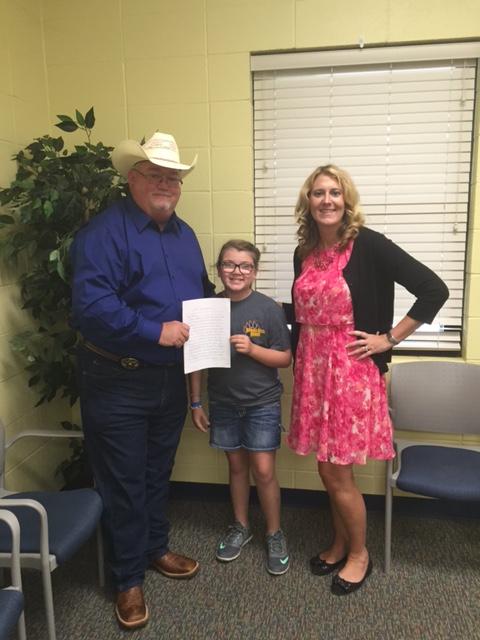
(132, 422)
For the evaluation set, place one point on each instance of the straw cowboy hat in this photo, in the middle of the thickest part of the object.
(161, 149)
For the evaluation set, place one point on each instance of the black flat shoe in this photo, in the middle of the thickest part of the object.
(321, 568)
(341, 587)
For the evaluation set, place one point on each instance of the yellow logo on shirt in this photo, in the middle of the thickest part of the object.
(252, 329)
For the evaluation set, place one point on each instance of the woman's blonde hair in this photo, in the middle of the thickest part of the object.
(307, 232)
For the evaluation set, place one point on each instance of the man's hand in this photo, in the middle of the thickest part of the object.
(174, 334)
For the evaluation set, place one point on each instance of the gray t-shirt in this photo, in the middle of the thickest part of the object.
(248, 382)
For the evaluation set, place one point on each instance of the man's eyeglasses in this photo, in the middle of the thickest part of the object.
(245, 268)
(155, 178)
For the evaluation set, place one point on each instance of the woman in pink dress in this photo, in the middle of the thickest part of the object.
(343, 303)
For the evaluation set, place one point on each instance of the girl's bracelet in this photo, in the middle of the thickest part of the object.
(196, 405)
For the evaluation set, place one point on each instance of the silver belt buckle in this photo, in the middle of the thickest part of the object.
(129, 363)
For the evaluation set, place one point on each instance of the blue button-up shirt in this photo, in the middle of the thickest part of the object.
(129, 277)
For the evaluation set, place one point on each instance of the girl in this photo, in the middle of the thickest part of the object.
(244, 403)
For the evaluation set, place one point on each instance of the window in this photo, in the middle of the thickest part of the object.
(400, 120)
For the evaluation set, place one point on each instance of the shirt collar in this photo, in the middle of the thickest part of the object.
(142, 220)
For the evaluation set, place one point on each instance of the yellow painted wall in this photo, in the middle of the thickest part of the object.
(24, 114)
(183, 67)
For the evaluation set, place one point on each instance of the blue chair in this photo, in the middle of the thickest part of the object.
(11, 598)
(53, 524)
(436, 397)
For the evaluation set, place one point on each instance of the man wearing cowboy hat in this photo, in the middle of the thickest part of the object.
(133, 266)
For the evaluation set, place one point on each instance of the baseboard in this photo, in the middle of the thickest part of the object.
(418, 507)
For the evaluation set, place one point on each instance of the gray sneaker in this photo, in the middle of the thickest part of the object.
(278, 559)
(231, 544)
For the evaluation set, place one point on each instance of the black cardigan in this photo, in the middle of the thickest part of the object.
(375, 265)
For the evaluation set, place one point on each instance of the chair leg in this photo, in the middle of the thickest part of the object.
(101, 557)
(21, 633)
(48, 600)
(388, 518)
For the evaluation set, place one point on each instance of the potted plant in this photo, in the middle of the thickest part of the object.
(54, 193)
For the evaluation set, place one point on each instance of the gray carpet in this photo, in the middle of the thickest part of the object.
(432, 592)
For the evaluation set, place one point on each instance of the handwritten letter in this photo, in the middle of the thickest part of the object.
(209, 341)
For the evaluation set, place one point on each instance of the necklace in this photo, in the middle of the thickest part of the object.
(323, 258)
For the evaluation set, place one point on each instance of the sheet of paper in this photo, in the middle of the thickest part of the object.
(209, 341)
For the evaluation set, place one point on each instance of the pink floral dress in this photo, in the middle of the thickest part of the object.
(339, 407)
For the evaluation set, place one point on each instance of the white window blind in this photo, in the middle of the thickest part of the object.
(402, 128)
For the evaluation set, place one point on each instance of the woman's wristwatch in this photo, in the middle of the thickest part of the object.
(392, 340)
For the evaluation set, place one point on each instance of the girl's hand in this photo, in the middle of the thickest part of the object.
(241, 343)
(200, 419)
(367, 344)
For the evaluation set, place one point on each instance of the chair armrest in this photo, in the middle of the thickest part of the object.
(42, 513)
(44, 433)
(11, 521)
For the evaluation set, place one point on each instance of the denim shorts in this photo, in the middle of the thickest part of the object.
(252, 428)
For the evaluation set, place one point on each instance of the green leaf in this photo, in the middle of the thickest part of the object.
(61, 271)
(67, 126)
(58, 144)
(80, 118)
(90, 118)
(63, 118)
(33, 381)
(70, 426)
(26, 185)
(47, 208)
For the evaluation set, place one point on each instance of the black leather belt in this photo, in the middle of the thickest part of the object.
(127, 362)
